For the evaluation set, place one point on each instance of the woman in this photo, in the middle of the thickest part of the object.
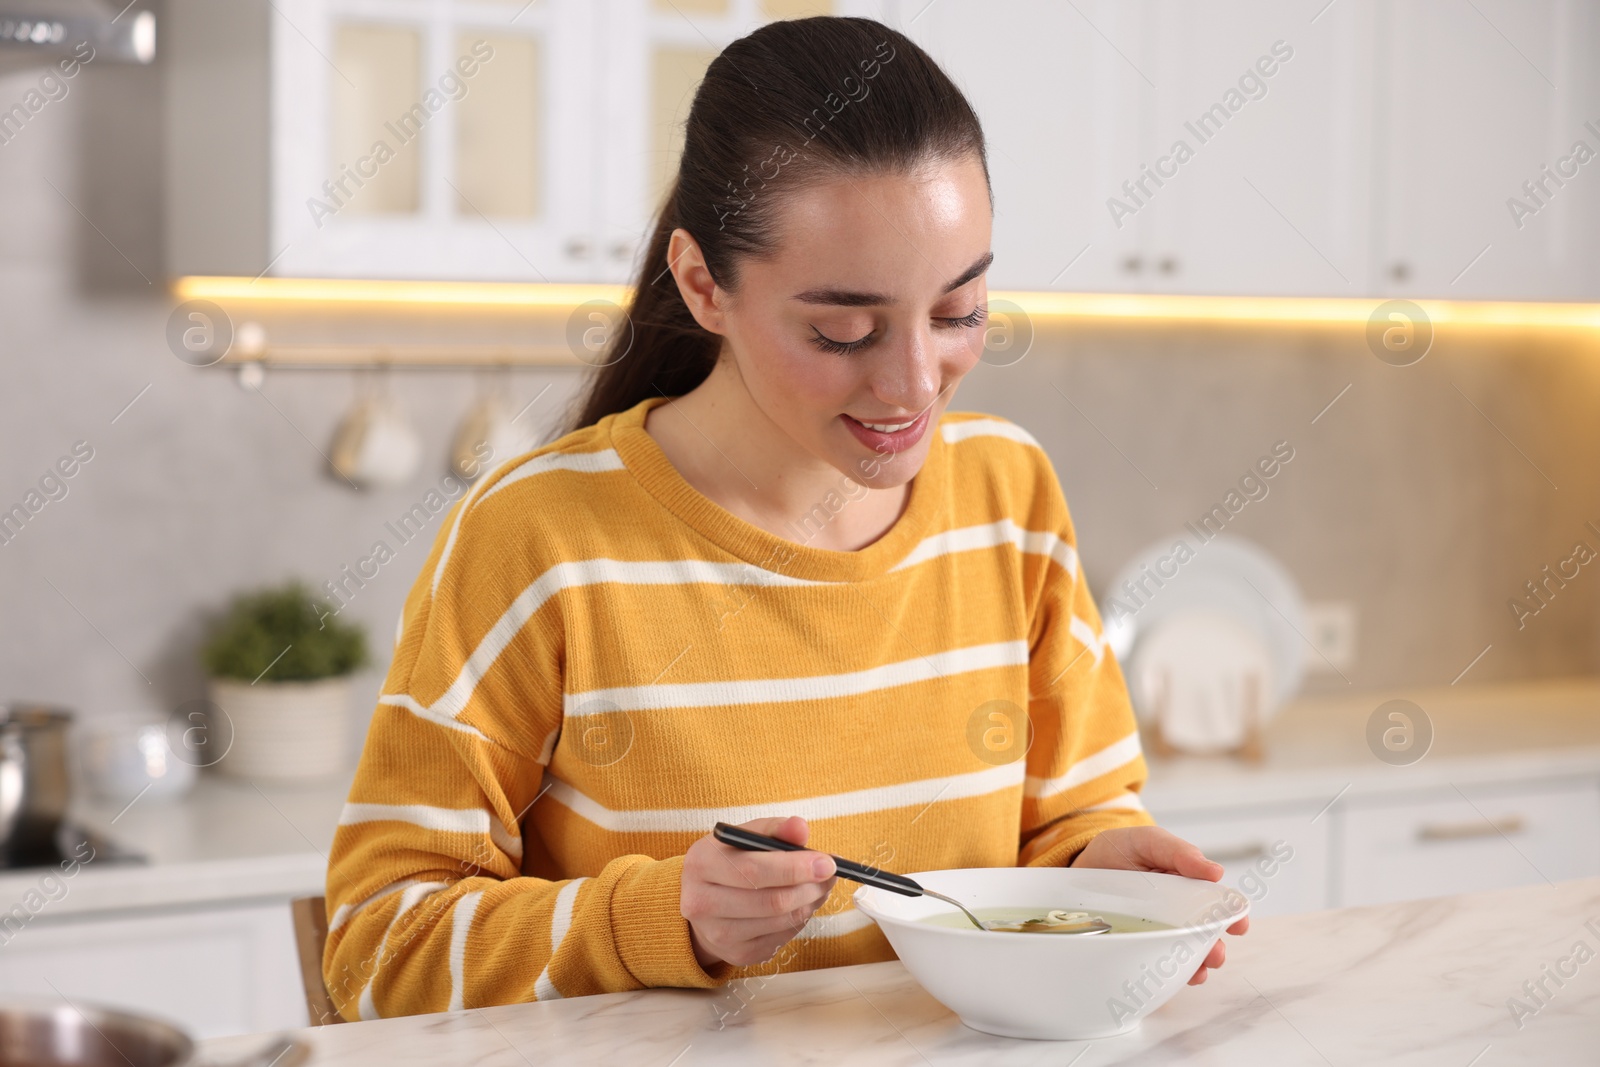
(768, 579)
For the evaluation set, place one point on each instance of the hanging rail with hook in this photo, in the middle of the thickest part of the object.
(407, 357)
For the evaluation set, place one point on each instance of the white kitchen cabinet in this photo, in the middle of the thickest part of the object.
(1377, 848)
(1378, 160)
(216, 970)
(1475, 102)
(1258, 152)
(1086, 115)
(380, 138)
(1059, 91)
(1280, 860)
(451, 139)
(1464, 841)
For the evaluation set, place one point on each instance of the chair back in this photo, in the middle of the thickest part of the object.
(310, 936)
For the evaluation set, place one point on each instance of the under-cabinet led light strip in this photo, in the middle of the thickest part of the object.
(1123, 306)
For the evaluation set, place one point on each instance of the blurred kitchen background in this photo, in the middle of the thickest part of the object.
(1163, 337)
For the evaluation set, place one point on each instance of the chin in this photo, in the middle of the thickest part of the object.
(883, 472)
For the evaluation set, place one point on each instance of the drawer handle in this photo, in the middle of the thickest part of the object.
(1237, 854)
(1460, 831)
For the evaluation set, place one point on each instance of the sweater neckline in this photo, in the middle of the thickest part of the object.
(652, 469)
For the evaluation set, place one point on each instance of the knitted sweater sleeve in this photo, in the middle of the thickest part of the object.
(428, 906)
(1085, 766)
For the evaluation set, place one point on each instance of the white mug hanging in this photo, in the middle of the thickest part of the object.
(489, 434)
(376, 446)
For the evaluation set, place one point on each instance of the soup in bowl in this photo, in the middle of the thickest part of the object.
(1032, 981)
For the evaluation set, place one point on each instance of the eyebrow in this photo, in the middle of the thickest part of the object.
(856, 299)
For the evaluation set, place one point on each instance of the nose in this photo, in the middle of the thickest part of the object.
(907, 374)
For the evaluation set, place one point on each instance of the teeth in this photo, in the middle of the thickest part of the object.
(888, 427)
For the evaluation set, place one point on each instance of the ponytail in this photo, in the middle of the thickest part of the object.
(668, 353)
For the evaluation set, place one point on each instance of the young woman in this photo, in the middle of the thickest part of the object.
(769, 579)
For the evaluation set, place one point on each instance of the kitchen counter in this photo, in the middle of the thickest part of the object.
(231, 840)
(1316, 748)
(1430, 981)
(226, 840)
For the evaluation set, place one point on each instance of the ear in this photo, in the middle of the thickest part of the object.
(695, 285)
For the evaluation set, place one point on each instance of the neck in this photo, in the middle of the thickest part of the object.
(724, 445)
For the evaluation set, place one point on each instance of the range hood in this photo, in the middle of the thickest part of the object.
(60, 27)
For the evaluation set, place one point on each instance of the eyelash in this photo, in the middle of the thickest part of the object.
(845, 348)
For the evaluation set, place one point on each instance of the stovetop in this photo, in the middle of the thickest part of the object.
(72, 844)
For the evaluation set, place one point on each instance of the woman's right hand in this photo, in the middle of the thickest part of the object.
(744, 906)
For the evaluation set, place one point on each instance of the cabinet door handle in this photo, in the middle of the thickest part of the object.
(578, 248)
(1169, 265)
(1460, 831)
(1132, 265)
(1237, 853)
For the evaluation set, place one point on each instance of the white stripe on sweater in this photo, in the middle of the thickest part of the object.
(590, 572)
(582, 462)
(1108, 759)
(409, 899)
(345, 912)
(1121, 802)
(401, 700)
(560, 923)
(919, 795)
(992, 535)
(504, 839)
(813, 687)
(1095, 643)
(446, 820)
(449, 820)
(962, 431)
(455, 529)
(460, 930)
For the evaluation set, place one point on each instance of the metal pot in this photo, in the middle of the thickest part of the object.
(41, 1033)
(34, 782)
(57, 1034)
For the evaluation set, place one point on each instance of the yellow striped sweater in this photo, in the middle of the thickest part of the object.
(597, 663)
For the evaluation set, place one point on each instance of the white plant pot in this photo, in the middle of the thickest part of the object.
(283, 731)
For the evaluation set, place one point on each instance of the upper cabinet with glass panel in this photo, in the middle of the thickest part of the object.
(534, 140)
(527, 140)
(402, 138)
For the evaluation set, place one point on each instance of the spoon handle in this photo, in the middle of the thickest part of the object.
(751, 841)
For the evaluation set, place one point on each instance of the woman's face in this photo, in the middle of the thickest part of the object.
(852, 336)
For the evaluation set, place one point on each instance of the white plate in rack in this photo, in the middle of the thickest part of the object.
(1212, 675)
(1227, 576)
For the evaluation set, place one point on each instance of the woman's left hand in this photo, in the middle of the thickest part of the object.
(1150, 848)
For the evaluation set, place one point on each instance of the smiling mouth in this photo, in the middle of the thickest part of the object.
(888, 427)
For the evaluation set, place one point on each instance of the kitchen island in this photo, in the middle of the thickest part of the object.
(1509, 977)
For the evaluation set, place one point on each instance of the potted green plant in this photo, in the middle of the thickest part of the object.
(279, 666)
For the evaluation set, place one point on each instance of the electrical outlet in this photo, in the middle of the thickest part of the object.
(1332, 631)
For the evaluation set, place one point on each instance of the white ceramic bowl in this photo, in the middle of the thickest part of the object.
(1055, 986)
(124, 758)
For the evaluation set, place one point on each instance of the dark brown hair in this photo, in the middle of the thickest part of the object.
(790, 101)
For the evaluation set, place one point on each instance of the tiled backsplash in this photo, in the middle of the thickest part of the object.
(1427, 495)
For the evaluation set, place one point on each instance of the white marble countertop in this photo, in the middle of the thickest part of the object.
(1316, 748)
(1424, 982)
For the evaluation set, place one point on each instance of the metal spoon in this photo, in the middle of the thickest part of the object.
(751, 841)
